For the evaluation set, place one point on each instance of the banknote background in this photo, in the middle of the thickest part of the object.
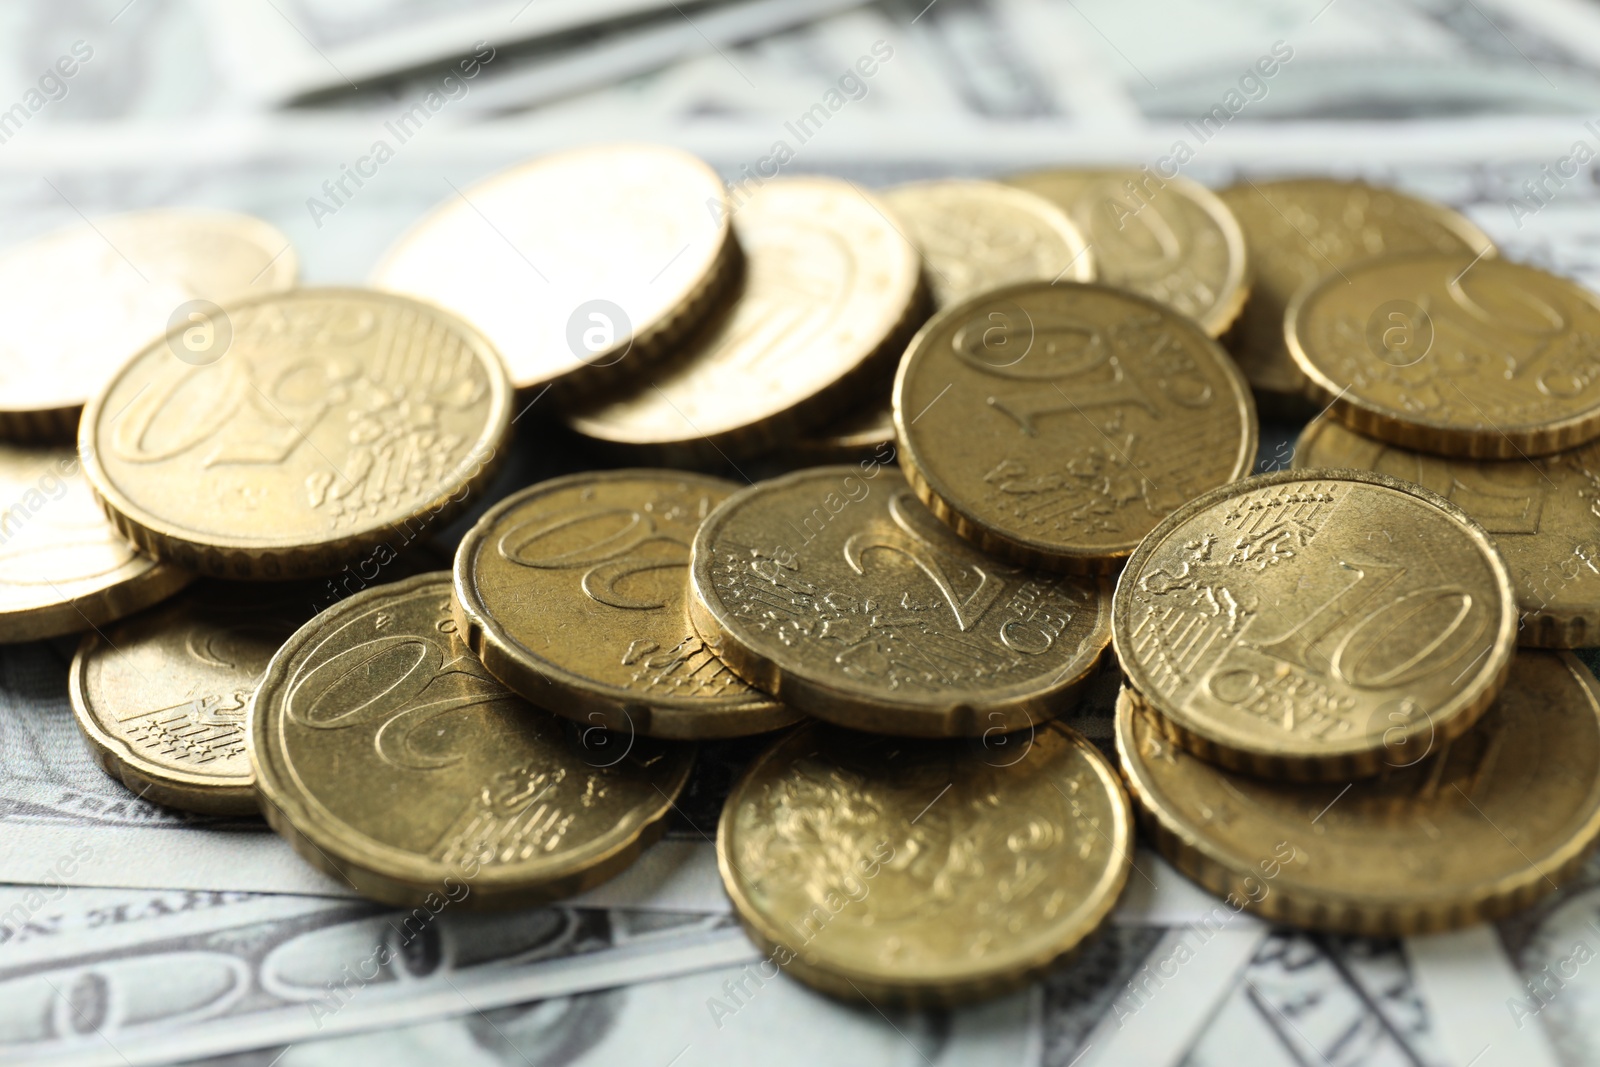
(133, 934)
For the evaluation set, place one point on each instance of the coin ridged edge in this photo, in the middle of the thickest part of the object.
(1030, 552)
(1206, 866)
(41, 426)
(855, 985)
(94, 609)
(1318, 766)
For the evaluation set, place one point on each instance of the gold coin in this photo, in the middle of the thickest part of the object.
(63, 567)
(828, 295)
(977, 235)
(864, 431)
(839, 594)
(139, 275)
(334, 420)
(1479, 827)
(1301, 229)
(1170, 239)
(578, 265)
(1541, 513)
(1490, 359)
(573, 593)
(1055, 425)
(923, 871)
(390, 758)
(1305, 624)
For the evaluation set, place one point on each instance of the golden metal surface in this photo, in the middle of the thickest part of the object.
(526, 254)
(829, 292)
(574, 593)
(838, 593)
(390, 758)
(976, 235)
(135, 271)
(63, 567)
(921, 871)
(1493, 360)
(1055, 425)
(337, 419)
(1484, 826)
(1316, 625)
(1301, 229)
(1170, 239)
(1541, 512)
(862, 432)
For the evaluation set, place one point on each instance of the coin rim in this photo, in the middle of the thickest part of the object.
(935, 492)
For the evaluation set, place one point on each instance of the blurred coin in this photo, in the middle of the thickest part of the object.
(1299, 230)
(863, 432)
(1055, 425)
(390, 758)
(977, 235)
(143, 273)
(829, 292)
(834, 590)
(63, 567)
(578, 266)
(333, 421)
(917, 871)
(1483, 826)
(1442, 353)
(1169, 239)
(573, 593)
(1310, 625)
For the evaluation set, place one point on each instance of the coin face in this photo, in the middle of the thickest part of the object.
(388, 756)
(143, 273)
(838, 593)
(162, 696)
(1311, 624)
(829, 288)
(1170, 239)
(1301, 229)
(574, 593)
(63, 567)
(1055, 425)
(977, 235)
(579, 265)
(1492, 359)
(336, 419)
(915, 871)
(1483, 826)
(1541, 512)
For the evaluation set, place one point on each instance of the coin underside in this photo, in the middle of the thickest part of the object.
(837, 592)
(1055, 425)
(574, 593)
(390, 758)
(1474, 829)
(916, 872)
(337, 420)
(1311, 624)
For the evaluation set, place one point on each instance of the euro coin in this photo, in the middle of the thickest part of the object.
(1312, 624)
(863, 432)
(829, 292)
(834, 590)
(579, 266)
(1170, 239)
(574, 593)
(63, 566)
(143, 273)
(917, 872)
(1442, 353)
(1055, 425)
(1472, 830)
(1540, 511)
(391, 759)
(978, 235)
(333, 421)
(1299, 230)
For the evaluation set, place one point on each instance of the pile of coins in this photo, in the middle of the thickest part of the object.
(1009, 425)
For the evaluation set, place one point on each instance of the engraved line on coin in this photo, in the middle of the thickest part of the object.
(932, 802)
(270, 262)
(1331, 803)
(509, 243)
(1501, 432)
(879, 1010)
(1513, 45)
(535, 400)
(1261, 1002)
(1298, 230)
(313, 45)
(932, 402)
(697, 430)
(927, 264)
(1078, 813)
(97, 230)
(1108, 440)
(85, 1019)
(1502, 833)
(1113, 45)
(712, 44)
